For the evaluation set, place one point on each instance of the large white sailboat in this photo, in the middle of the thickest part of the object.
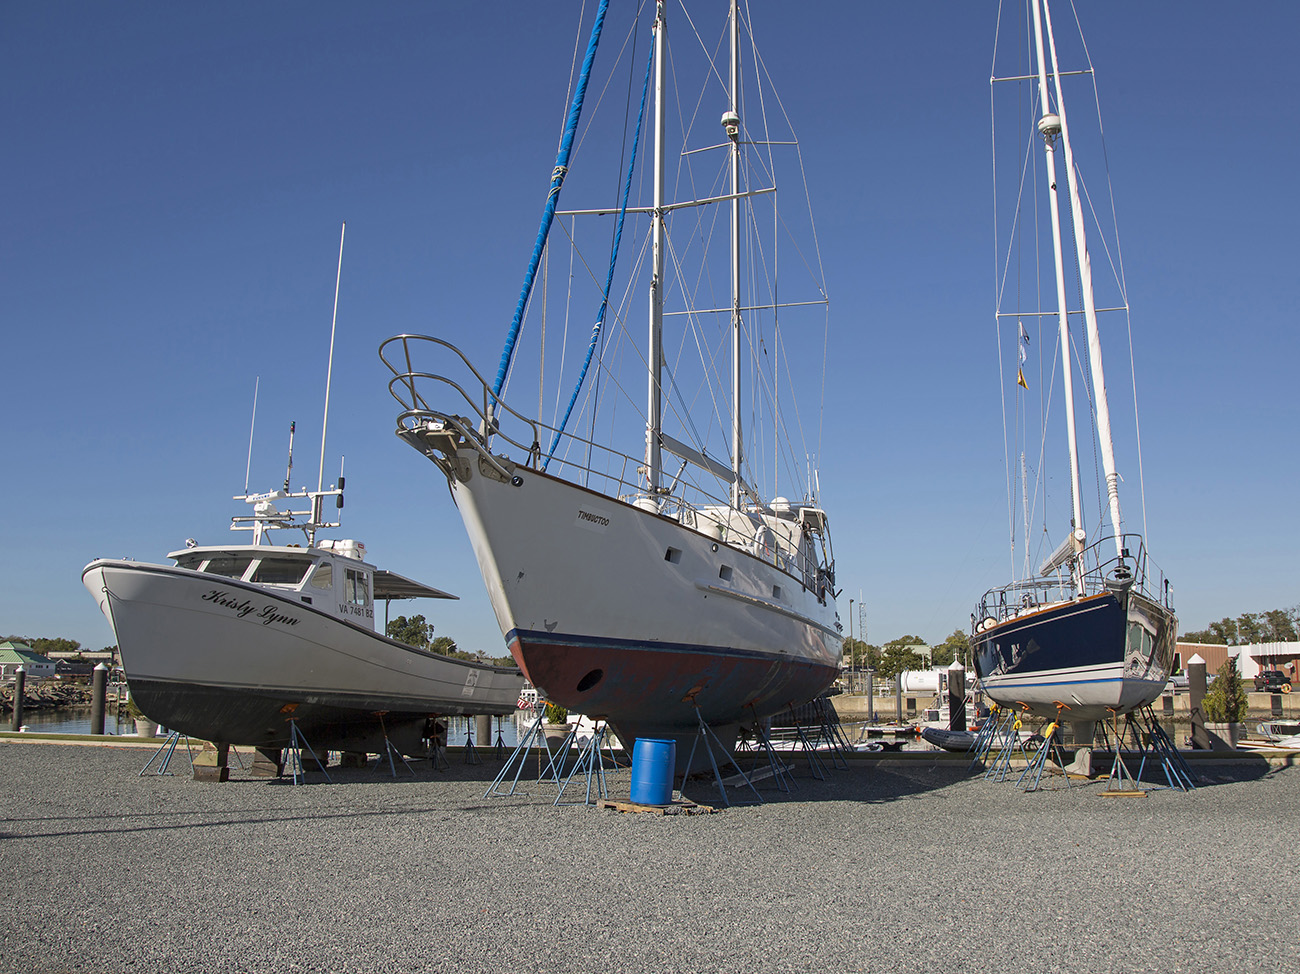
(665, 589)
(1089, 632)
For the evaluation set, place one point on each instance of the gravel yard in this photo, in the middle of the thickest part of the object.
(888, 866)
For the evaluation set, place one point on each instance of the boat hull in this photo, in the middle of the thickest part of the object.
(226, 661)
(1098, 655)
(618, 612)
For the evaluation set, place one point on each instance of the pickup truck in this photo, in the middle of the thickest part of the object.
(1272, 681)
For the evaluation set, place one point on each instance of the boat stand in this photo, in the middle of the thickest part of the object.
(471, 752)
(293, 754)
(1151, 743)
(779, 770)
(1051, 747)
(1007, 739)
(988, 733)
(704, 734)
(815, 765)
(1120, 781)
(389, 750)
(520, 756)
(1163, 749)
(592, 763)
(833, 731)
(499, 748)
(165, 751)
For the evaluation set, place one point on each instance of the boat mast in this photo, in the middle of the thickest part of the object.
(1049, 126)
(731, 123)
(654, 410)
(1089, 304)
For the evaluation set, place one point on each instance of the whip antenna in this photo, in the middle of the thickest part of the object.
(329, 371)
(252, 423)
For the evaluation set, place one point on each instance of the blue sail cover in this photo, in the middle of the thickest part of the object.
(613, 259)
(552, 198)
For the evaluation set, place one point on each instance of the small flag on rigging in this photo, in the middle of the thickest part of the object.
(1020, 379)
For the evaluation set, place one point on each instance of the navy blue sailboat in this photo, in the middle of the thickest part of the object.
(1091, 633)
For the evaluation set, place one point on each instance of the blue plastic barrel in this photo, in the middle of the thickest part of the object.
(653, 763)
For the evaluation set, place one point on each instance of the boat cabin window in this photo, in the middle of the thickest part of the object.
(358, 587)
(323, 576)
(232, 566)
(190, 560)
(280, 571)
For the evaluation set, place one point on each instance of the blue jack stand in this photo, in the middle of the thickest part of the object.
(293, 754)
(704, 734)
(165, 751)
(592, 763)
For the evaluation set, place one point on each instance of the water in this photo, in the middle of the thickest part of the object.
(76, 720)
(71, 720)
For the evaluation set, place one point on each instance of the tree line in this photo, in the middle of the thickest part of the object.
(53, 644)
(898, 655)
(1273, 626)
(418, 632)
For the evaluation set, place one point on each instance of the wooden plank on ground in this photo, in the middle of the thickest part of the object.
(676, 808)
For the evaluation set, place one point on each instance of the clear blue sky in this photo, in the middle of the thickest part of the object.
(175, 176)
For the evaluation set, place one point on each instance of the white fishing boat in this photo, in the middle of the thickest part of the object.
(1090, 631)
(230, 643)
(661, 590)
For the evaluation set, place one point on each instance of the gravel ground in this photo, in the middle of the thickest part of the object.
(903, 867)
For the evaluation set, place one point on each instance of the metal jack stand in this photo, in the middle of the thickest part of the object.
(471, 752)
(779, 770)
(815, 764)
(1177, 772)
(293, 754)
(592, 763)
(833, 733)
(1050, 748)
(1120, 781)
(1007, 738)
(165, 751)
(520, 756)
(390, 750)
(499, 748)
(704, 734)
(988, 733)
(434, 730)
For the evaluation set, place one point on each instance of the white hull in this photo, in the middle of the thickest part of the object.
(617, 612)
(230, 661)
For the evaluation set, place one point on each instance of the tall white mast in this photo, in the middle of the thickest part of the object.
(329, 369)
(1049, 126)
(654, 409)
(1089, 305)
(731, 122)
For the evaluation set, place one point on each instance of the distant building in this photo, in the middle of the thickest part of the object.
(1250, 659)
(14, 655)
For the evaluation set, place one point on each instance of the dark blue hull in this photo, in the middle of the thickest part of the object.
(1085, 659)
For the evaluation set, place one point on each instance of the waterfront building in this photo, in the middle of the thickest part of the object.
(15, 654)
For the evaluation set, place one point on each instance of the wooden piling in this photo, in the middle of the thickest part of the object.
(98, 698)
(20, 688)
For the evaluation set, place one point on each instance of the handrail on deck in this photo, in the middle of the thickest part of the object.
(1004, 601)
(620, 476)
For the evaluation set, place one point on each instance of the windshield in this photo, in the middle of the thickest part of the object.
(280, 571)
(232, 566)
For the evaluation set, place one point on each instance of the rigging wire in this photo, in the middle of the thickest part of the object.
(618, 234)
(552, 198)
